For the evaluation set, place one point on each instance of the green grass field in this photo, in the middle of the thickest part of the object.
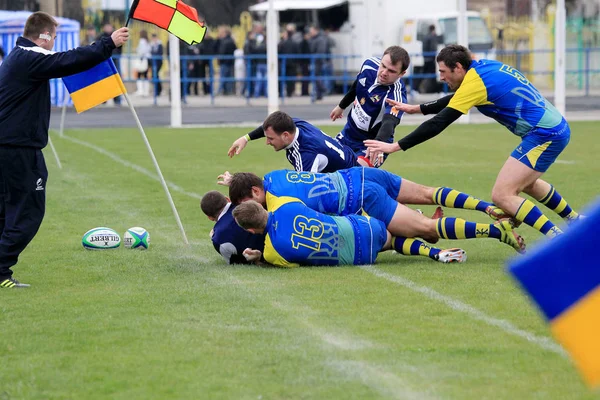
(175, 322)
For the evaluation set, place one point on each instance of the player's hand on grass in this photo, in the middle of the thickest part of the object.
(336, 113)
(407, 108)
(381, 147)
(237, 146)
(224, 179)
(252, 255)
(120, 36)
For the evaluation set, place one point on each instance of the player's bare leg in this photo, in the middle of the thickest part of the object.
(414, 193)
(514, 178)
(409, 223)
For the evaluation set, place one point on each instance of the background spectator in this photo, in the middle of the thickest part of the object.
(226, 48)
(157, 50)
(143, 53)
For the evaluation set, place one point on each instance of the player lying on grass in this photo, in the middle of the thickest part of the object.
(297, 235)
(371, 117)
(307, 147)
(228, 239)
(504, 94)
(357, 190)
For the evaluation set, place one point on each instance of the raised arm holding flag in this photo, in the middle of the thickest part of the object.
(25, 117)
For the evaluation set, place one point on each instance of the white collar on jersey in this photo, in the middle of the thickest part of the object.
(296, 136)
(224, 210)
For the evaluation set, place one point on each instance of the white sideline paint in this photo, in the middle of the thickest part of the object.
(569, 162)
(543, 342)
(131, 165)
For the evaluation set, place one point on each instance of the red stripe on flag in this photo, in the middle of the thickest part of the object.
(189, 12)
(154, 12)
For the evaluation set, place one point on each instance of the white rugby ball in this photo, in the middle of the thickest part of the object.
(136, 238)
(101, 239)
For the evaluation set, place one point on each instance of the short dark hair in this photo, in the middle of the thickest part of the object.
(212, 203)
(37, 23)
(250, 215)
(454, 54)
(280, 122)
(431, 28)
(241, 186)
(398, 55)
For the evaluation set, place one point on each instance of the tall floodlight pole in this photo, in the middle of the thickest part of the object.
(560, 68)
(175, 81)
(272, 65)
(462, 31)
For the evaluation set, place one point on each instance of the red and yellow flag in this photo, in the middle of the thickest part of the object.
(172, 15)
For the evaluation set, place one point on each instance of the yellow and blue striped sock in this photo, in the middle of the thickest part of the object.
(554, 201)
(458, 228)
(451, 198)
(533, 216)
(414, 247)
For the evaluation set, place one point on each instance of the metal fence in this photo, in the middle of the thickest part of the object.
(583, 72)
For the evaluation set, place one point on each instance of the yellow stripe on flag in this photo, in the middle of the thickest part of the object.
(578, 330)
(98, 93)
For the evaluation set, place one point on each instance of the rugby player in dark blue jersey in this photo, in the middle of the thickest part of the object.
(228, 239)
(501, 92)
(371, 117)
(307, 147)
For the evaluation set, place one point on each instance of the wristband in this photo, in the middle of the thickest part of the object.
(247, 137)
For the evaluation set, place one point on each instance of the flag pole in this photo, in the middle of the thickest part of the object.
(160, 175)
(54, 151)
(62, 116)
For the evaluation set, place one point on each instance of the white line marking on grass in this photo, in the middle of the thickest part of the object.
(543, 342)
(131, 165)
(384, 382)
(569, 162)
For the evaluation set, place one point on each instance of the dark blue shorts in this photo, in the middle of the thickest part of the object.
(357, 145)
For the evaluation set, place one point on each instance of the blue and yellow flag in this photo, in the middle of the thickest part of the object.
(95, 86)
(564, 281)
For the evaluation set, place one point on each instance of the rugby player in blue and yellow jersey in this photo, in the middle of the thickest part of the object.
(371, 117)
(307, 147)
(369, 190)
(504, 94)
(297, 235)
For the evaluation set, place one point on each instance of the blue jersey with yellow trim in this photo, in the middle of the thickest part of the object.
(314, 150)
(369, 105)
(331, 193)
(503, 93)
(297, 235)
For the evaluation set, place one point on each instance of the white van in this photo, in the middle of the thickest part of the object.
(414, 31)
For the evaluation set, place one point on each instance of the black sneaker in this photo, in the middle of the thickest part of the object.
(12, 283)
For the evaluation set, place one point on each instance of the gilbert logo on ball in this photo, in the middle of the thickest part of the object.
(136, 238)
(101, 239)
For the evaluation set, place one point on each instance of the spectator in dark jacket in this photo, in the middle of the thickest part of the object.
(24, 118)
(288, 48)
(319, 45)
(258, 47)
(157, 50)
(226, 48)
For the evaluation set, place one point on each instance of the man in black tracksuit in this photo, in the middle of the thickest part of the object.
(24, 120)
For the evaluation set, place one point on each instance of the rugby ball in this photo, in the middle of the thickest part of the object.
(101, 239)
(136, 238)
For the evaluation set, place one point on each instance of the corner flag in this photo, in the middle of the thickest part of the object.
(94, 86)
(565, 283)
(172, 15)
